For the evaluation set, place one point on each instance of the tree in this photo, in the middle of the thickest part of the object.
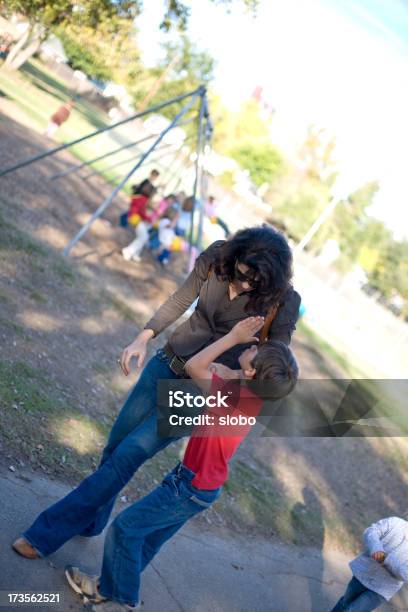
(108, 53)
(177, 13)
(316, 154)
(262, 159)
(43, 15)
(192, 68)
(348, 225)
(297, 201)
(391, 271)
(239, 127)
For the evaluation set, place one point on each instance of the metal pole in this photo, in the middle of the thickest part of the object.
(110, 198)
(179, 169)
(77, 167)
(204, 183)
(316, 225)
(152, 109)
(155, 160)
(197, 162)
(126, 161)
(130, 159)
(176, 186)
(159, 81)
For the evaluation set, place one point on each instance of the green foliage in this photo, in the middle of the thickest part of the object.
(83, 56)
(297, 203)
(391, 271)
(316, 154)
(263, 161)
(236, 128)
(108, 53)
(177, 13)
(348, 224)
(244, 135)
(54, 12)
(193, 68)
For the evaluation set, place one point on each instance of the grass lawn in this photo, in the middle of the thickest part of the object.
(388, 396)
(38, 92)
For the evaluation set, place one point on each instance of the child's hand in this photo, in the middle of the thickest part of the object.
(379, 556)
(244, 331)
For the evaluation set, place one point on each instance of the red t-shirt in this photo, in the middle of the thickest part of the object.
(138, 206)
(61, 114)
(211, 447)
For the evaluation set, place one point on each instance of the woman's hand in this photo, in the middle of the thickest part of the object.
(244, 331)
(138, 349)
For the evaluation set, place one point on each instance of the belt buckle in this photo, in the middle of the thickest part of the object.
(177, 365)
(172, 362)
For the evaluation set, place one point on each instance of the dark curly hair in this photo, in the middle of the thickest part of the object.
(269, 258)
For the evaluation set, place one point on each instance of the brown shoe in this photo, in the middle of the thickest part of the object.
(25, 549)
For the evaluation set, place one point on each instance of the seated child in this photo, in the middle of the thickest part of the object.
(149, 182)
(139, 216)
(210, 208)
(381, 570)
(184, 221)
(163, 205)
(168, 239)
(137, 534)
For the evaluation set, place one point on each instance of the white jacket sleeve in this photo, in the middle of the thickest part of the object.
(397, 567)
(374, 534)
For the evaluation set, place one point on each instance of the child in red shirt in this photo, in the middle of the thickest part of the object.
(138, 533)
(140, 217)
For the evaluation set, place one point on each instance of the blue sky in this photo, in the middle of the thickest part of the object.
(339, 64)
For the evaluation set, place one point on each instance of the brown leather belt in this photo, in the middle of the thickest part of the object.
(176, 363)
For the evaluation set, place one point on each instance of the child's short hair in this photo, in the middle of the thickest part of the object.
(188, 204)
(148, 190)
(276, 370)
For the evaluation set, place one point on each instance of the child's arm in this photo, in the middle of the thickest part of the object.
(198, 367)
(373, 536)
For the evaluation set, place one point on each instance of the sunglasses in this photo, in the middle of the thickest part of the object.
(243, 277)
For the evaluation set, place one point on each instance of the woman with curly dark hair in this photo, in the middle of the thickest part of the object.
(250, 274)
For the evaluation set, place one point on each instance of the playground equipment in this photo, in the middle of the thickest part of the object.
(204, 133)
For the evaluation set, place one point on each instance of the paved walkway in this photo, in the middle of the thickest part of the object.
(198, 571)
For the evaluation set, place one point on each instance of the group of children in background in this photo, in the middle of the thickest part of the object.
(163, 225)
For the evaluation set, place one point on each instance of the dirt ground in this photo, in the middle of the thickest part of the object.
(64, 323)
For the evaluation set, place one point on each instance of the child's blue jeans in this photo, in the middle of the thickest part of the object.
(133, 439)
(358, 598)
(137, 533)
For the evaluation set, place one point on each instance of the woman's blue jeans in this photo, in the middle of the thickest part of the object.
(133, 439)
(137, 534)
(358, 598)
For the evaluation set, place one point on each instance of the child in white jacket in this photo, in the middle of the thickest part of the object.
(381, 570)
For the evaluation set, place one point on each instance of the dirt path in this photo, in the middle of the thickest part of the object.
(200, 570)
(63, 324)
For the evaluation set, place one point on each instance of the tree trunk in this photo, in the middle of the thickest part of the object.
(25, 54)
(17, 47)
(26, 46)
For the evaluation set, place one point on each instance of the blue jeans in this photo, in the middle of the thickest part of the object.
(137, 534)
(133, 439)
(358, 598)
